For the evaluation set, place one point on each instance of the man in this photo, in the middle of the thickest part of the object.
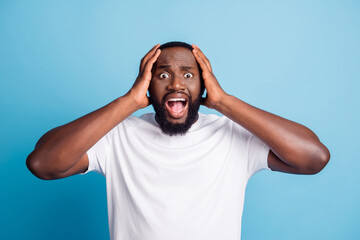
(177, 174)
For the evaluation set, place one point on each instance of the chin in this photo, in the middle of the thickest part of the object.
(176, 123)
(176, 120)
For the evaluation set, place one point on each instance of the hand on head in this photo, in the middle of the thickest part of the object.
(214, 92)
(142, 82)
(139, 90)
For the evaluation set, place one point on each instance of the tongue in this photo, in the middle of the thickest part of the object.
(176, 106)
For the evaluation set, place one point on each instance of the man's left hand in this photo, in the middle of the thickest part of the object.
(214, 92)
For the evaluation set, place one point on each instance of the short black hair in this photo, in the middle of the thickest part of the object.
(188, 46)
(176, 44)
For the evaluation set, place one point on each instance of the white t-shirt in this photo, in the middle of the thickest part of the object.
(180, 187)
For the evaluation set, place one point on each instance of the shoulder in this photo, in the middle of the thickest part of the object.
(207, 119)
(144, 122)
(148, 117)
(212, 123)
(226, 124)
(134, 120)
(135, 125)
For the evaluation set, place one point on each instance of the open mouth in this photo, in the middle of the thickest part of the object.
(176, 106)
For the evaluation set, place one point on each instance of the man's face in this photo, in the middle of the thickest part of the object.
(175, 90)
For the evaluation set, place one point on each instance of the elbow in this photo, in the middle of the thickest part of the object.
(319, 160)
(37, 168)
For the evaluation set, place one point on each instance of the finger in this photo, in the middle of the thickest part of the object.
(150, 53)
(152, 60)
(197, 49)
(203, 58)
(201, 61)
(207, 61)
(147, 56)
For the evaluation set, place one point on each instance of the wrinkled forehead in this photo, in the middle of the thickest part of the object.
(176, 56)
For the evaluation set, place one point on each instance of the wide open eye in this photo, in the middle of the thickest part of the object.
(164, 75)
(188, 75)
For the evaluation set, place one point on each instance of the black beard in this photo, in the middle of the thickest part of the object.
(172, 129)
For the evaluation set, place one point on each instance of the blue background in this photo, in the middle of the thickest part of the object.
(60, 60)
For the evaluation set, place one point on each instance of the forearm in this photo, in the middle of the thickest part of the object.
(61, 152)
(293, 143)
(62, 147)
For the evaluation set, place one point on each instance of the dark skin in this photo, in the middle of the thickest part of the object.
(294, 148)
(176, 71)
(61, 152)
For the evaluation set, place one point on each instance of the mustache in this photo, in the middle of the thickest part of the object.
(174, 91)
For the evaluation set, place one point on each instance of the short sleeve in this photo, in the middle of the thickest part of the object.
(98, 154)
(258, 152)
(252, 149)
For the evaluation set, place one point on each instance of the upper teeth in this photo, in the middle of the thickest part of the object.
(177, 99)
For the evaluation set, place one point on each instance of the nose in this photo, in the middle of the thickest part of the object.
(176, 84)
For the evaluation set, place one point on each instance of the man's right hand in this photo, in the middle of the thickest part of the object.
(138, 92)
(61, 152)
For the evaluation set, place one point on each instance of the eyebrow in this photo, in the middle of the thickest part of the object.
(182, 67)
